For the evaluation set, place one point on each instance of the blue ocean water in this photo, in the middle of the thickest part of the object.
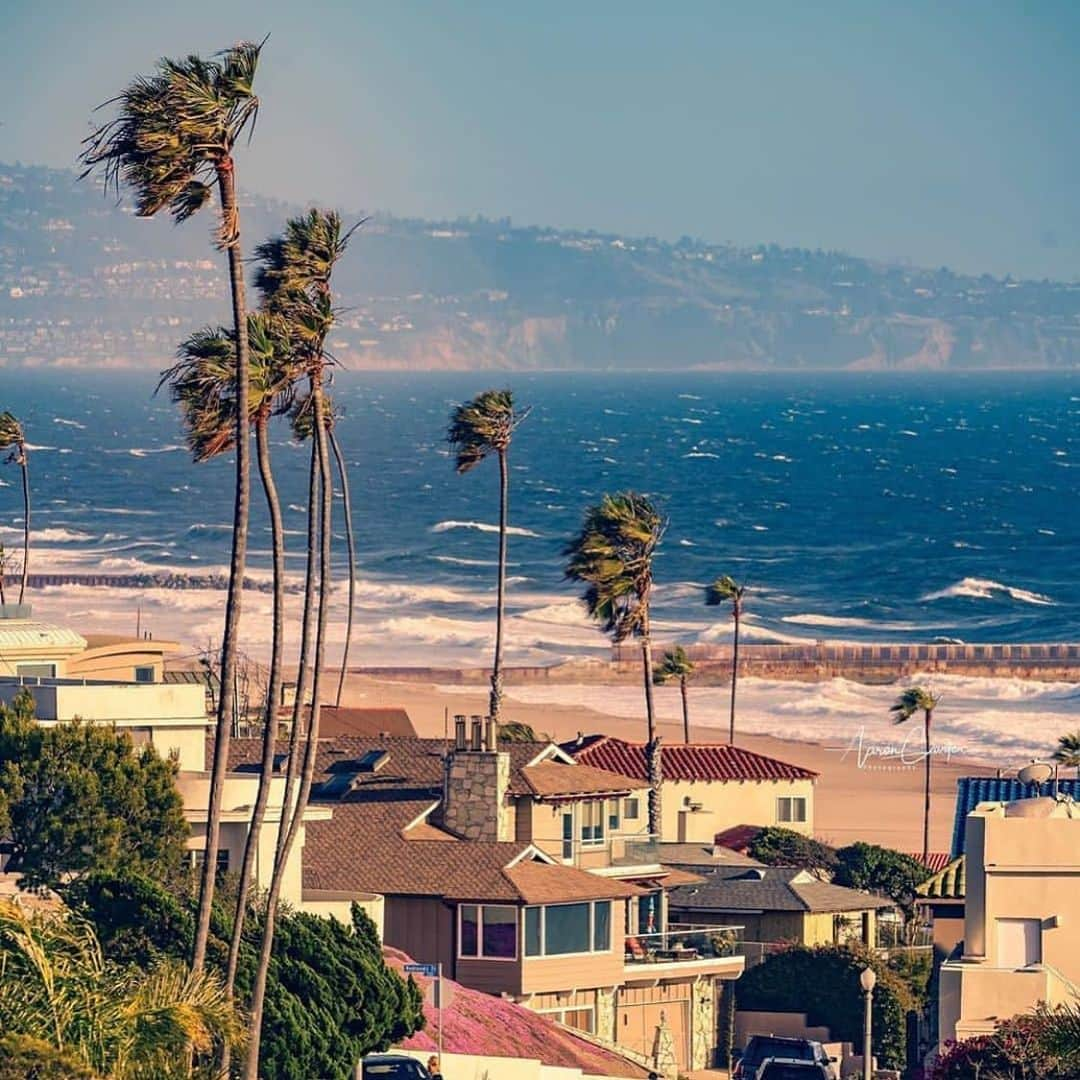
(856, 506)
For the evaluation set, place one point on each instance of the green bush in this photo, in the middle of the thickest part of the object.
(23, 1058)
(823, 982)
(776, 846)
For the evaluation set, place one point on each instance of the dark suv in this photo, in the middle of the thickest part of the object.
(393, 1067)
(791, 1069)
(762, 1047)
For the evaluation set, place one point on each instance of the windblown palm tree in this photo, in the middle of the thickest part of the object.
(123, 1022)
(726, 590)
(294, 278)
(202, 382)
(350, 541)
(1068, 751)
(479, 428)
(677, 665)
(613, 557)
(171, 141)
(917, 699)
(13, 439)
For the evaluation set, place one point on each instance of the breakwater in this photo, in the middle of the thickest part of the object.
(151, 579)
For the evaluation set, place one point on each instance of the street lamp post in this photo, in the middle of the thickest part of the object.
(868, 980)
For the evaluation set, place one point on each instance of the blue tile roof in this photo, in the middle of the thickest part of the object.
(972, 790)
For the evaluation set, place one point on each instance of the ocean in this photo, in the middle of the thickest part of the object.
(865, 507)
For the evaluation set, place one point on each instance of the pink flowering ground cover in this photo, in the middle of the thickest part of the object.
(476, 1023)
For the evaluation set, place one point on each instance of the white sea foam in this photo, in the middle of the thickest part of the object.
(813, 619)
(700, 454)
(455, 561)
(50, 536)
(69, 423)
(481, 526)
(986, 589)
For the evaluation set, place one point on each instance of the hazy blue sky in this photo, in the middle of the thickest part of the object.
(887, 129)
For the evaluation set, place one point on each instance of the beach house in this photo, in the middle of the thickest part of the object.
(519, 871)
(709, 787)
(1021, 915)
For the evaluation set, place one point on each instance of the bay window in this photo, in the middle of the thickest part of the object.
(566, 929)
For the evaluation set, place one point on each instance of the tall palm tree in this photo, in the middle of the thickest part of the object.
(202, 383)
(171, 141)
(13, 439)
(613, 557)
(294, 278)
(918, 699)
(724, 590)
(350, 540)
(1068, 751)
(480, 427)
(677, 665)
(123, 1022)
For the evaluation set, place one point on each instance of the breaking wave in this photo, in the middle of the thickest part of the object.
(482, 526)
(985, 589)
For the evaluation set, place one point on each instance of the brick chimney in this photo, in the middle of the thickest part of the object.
(475, 781)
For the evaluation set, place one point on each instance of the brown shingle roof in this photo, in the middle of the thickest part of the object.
(365, 722)
(695, 761)
(368, 847)
(553, 778)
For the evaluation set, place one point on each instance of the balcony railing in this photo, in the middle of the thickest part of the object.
(684, 944)
(616, 849)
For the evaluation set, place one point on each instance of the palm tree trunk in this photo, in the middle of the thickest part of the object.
(223, 731)
(685, 710)
(495, 704)
(273, 693)
(734, 672)
(26, 522)
(258, 997)
(351, 540)
(652, 747)
(928, 716)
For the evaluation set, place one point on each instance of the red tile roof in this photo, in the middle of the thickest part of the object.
(696, 761)
(935, 861)
(738, 838)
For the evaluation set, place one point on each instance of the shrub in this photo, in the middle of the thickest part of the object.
(776, 846)
(24, 1058)
(823, 982)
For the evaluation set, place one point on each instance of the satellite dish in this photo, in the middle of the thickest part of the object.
(1038, 772)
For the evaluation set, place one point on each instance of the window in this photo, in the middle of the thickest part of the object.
(631, 809)
(198, 858)
(487, 931)
(532, 932)
(592, 822)
(791, 809)
(144, 674)
(38, 671)
(564, 929)
(613, 816)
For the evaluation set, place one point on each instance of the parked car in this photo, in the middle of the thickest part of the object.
(392, 1067)
(792, 1069)
(762, 1047)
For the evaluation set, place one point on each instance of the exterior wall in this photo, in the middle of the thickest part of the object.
(476, 1067)
(475, 805)
(805, 928)
(118, 662)
(175, 714)
(727, 803)
(1019, 867)
(423, 927)
(340, 908)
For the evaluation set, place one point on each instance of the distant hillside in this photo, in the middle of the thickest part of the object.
(84, 282)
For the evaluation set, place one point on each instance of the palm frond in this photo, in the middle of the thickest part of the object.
(912, 700)
(485, 425)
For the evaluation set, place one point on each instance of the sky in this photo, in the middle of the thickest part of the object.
(939, 134)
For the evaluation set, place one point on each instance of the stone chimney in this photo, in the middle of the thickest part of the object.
(475, 781)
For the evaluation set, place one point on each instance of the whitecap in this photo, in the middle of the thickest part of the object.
(986, 589)
(481, 526)
(701, 453)
(69, 423)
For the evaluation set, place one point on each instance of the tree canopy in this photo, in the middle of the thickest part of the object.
(777, 846)
(80, 797)
(880, 870)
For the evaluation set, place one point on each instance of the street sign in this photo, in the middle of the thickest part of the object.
(431, 971)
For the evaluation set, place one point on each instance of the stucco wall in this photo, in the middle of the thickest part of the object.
(724, 804)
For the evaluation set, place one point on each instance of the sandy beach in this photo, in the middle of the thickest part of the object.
(880, 803)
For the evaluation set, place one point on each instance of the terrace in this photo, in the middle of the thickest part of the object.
(716, 950)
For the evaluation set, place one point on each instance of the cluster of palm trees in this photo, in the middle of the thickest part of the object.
(171, 142)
